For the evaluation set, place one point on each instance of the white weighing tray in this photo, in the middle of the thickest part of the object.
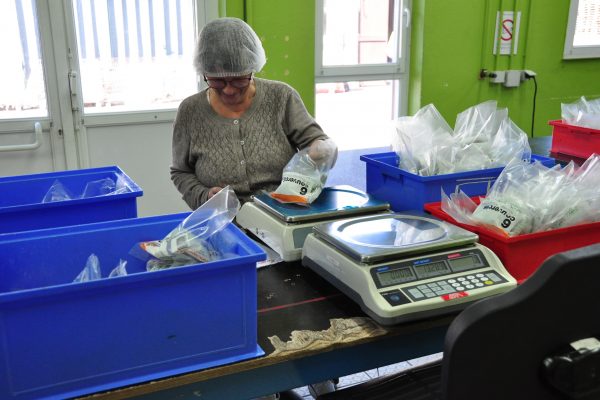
(284, 226)
(402, 267)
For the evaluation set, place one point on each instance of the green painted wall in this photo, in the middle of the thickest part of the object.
(287, 31)
(453, 40)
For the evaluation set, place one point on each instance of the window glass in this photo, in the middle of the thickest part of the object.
(582, 39)
(357, 32)
(135, 54)
(358, 115)
(587, 28)
(22, 88)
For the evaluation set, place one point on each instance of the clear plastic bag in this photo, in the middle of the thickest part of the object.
(459, 206)
(484, 137)
(101, 187)
(420, 136)
(105, 187)
(190, 242)
(583, 112)
(57, 192)
(91, 271)
(478, 124)
(303, 179)
(119, 270)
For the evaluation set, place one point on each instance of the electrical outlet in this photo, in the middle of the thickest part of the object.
(509, 78)
(513, 78)
(497, 76)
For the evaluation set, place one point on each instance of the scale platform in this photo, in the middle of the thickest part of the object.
(284, 226)
(403, 267)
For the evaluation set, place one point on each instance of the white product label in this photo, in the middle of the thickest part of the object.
(294, 183)
(509, 216)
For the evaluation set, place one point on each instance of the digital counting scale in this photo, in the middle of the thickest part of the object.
(284, 226)
(402, 267)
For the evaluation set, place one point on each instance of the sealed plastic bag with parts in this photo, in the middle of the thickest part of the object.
(305, 174)
(191, 242)
(529, 197)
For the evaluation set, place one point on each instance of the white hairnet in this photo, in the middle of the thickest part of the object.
(228, 47)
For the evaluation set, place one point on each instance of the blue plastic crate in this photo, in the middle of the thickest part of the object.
(22, 209)
(408, 191)
(61, 339)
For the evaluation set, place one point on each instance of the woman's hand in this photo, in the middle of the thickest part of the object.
(213, 190)
(323, 151)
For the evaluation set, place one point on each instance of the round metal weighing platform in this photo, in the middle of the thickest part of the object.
(375, 238)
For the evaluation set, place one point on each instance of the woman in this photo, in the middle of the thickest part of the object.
(242, 130)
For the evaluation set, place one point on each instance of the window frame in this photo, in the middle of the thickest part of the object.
(206, 10)
(338, 73)
(397, 71)
(576, 52)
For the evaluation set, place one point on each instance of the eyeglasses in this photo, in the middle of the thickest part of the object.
(238, 83)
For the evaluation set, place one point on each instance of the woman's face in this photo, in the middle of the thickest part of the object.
(231, 90)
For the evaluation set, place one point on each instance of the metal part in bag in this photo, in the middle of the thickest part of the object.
(302, 181)
(180, 249)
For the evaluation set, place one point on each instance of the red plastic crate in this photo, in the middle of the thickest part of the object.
(574, 140)
(523, 254)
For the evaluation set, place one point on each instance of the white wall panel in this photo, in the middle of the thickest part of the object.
(144, 153)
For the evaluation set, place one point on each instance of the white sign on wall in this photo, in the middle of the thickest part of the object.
(506, 36)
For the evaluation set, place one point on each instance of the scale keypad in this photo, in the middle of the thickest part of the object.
(455, 284)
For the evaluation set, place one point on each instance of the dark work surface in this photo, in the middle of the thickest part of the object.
(293, 297)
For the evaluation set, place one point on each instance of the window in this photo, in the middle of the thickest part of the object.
(23, 93)
(583, 30)
(131, 56)
(135, 55)
(361, 69)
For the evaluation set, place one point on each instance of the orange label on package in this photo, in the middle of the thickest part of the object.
(454, 296)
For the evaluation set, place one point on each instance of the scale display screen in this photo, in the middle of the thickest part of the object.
(396, 276)
(431, 269)
(464, 263)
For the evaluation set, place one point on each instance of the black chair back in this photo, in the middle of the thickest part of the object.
(496, 348)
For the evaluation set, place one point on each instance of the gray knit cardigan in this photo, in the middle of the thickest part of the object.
(248, 153)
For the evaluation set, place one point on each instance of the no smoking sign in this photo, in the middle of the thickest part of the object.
(507, 30)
